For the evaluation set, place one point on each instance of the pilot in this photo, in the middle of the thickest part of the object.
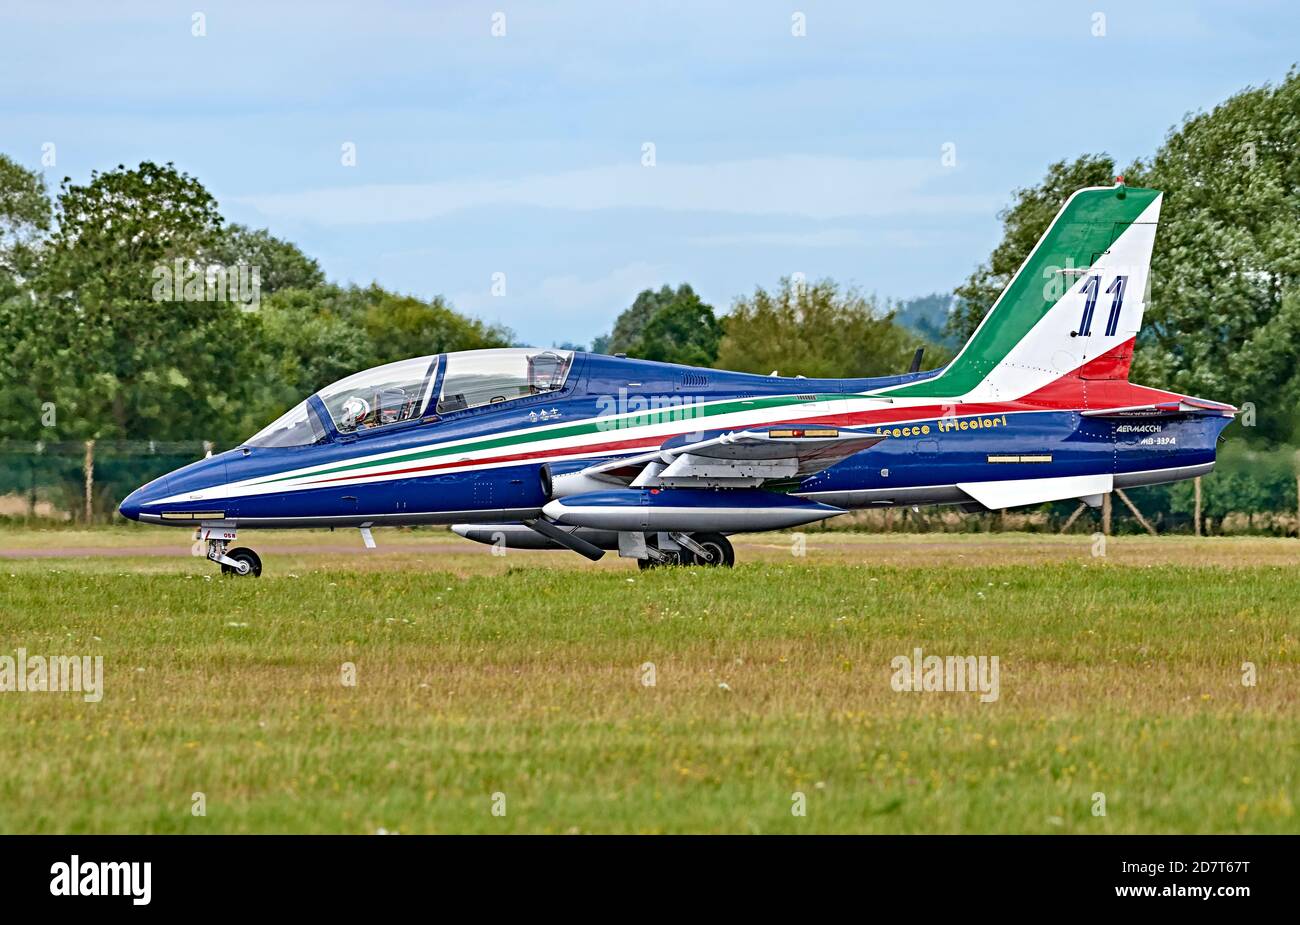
(354, 412)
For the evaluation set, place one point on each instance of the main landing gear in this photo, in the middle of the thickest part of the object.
(692, 549)
(240, 561)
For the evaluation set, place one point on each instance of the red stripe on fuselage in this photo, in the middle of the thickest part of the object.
(514, 457)
(874, 416)
(1090, 386)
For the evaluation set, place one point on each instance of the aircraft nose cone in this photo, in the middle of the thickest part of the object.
(133, 504)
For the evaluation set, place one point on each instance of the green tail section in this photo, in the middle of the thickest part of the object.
(1082, 231)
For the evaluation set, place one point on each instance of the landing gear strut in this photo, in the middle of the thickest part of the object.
(240, 561)
(693, 549)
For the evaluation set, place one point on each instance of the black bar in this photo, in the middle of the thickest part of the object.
(926, 875)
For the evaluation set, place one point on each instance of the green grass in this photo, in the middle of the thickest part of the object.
(478, 675)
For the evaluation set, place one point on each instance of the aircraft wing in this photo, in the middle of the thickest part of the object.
(739, 458)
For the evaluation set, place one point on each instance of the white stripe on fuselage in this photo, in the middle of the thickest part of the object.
(561, 448)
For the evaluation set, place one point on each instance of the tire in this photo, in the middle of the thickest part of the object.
(718, 545)
(675, 557)
(243, 554)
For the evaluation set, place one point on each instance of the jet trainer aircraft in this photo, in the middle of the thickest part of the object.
(557, 449)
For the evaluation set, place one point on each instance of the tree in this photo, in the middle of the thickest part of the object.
(403, 326)
(1222, 317)
(1223, 320)
(124, 356)
(682, 330)
(280, 264)
(815, 330)
(927, 315)
(632, 322)
(309, 338)
(669, 325)
(1023, 223)
(24, 220)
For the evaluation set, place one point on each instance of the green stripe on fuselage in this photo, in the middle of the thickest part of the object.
(1084, 229)
(609, 426)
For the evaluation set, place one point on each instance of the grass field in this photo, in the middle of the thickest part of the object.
(523, 676)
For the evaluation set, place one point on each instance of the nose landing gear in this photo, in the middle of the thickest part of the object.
(240, 561)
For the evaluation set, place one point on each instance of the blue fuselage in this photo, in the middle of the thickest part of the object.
(491, 463)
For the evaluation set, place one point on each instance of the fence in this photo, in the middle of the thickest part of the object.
(1250, 491)
(83, 482)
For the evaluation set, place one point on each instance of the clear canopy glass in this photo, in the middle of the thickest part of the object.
(296, 427)
(403, 391)
(487, 377)
(383, 395)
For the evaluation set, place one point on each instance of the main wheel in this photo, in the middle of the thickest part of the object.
(719, 547)
(243, 554)
(675, 557)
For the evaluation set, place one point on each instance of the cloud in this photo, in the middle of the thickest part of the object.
(826, 237)
(614, 290)
(566, 298)
(813, 187)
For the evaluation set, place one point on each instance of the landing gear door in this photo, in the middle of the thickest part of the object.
(217, 530)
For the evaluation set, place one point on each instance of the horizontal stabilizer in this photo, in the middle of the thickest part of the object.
(1160, 409)
(1019, 492)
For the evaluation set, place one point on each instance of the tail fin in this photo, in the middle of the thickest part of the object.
(1072, 309)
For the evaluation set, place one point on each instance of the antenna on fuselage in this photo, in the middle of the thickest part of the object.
(916, 360)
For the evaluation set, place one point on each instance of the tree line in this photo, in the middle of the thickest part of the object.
(100, 339)
(1223, 315)
(131, 310)
(109, 326)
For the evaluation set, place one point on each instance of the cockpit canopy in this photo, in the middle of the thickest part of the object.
(384, 395)
(487, 377)
(403, 391)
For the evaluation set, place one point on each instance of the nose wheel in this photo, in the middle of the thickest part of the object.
(243, 562)
(240, 561)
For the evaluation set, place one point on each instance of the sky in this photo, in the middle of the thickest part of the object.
(541, 177)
